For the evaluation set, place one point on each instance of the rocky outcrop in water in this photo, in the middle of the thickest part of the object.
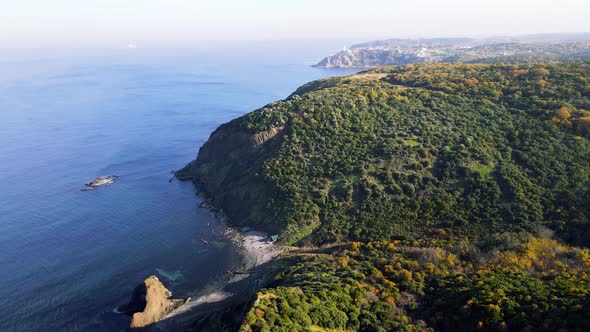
(100, 181)
(149, 303)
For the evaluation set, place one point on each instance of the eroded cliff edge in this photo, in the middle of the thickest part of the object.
(225, 170)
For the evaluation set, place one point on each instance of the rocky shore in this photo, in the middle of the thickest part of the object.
(256, 249)
(233, 204)
(255, 246)
(237, 285)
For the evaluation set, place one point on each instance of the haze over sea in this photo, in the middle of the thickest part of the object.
(69, 257)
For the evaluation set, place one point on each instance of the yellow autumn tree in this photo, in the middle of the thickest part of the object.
(563, 113)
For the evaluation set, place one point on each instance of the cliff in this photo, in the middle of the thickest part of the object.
(225, 170)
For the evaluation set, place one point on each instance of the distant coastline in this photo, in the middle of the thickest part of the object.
(524, 49)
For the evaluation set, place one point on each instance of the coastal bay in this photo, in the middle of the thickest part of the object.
(69, 257)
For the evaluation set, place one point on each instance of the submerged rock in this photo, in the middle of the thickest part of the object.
(100, 181)
(149, 303)
(173, 276)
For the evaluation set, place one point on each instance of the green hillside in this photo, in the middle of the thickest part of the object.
(434, 189)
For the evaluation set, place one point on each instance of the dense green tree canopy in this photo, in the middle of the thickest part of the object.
(430, 178)
(392, 151)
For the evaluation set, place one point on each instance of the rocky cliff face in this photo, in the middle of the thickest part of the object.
(225, 170)
(149, 303)
(372, 57)
(266, 135)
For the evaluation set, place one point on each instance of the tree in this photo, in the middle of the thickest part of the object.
(583, 125)
(563, 113)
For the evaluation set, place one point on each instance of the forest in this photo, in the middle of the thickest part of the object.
(421, 197)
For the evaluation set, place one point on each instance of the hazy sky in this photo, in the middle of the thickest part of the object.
(65, 21)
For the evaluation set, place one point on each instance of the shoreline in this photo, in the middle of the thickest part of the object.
(244, 280)
(254, 247)
(252, 244)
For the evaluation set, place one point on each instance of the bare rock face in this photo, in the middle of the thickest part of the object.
(264, 136)
(149, 303)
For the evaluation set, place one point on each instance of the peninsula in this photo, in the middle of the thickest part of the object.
(525, 49)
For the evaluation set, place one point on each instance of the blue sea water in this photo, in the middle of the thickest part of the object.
(67, 257)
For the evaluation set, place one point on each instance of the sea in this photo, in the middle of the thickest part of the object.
(68, 257)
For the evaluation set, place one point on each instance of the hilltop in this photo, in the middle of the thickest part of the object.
(429, 196)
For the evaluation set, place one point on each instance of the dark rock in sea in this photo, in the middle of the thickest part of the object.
(100, 181)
